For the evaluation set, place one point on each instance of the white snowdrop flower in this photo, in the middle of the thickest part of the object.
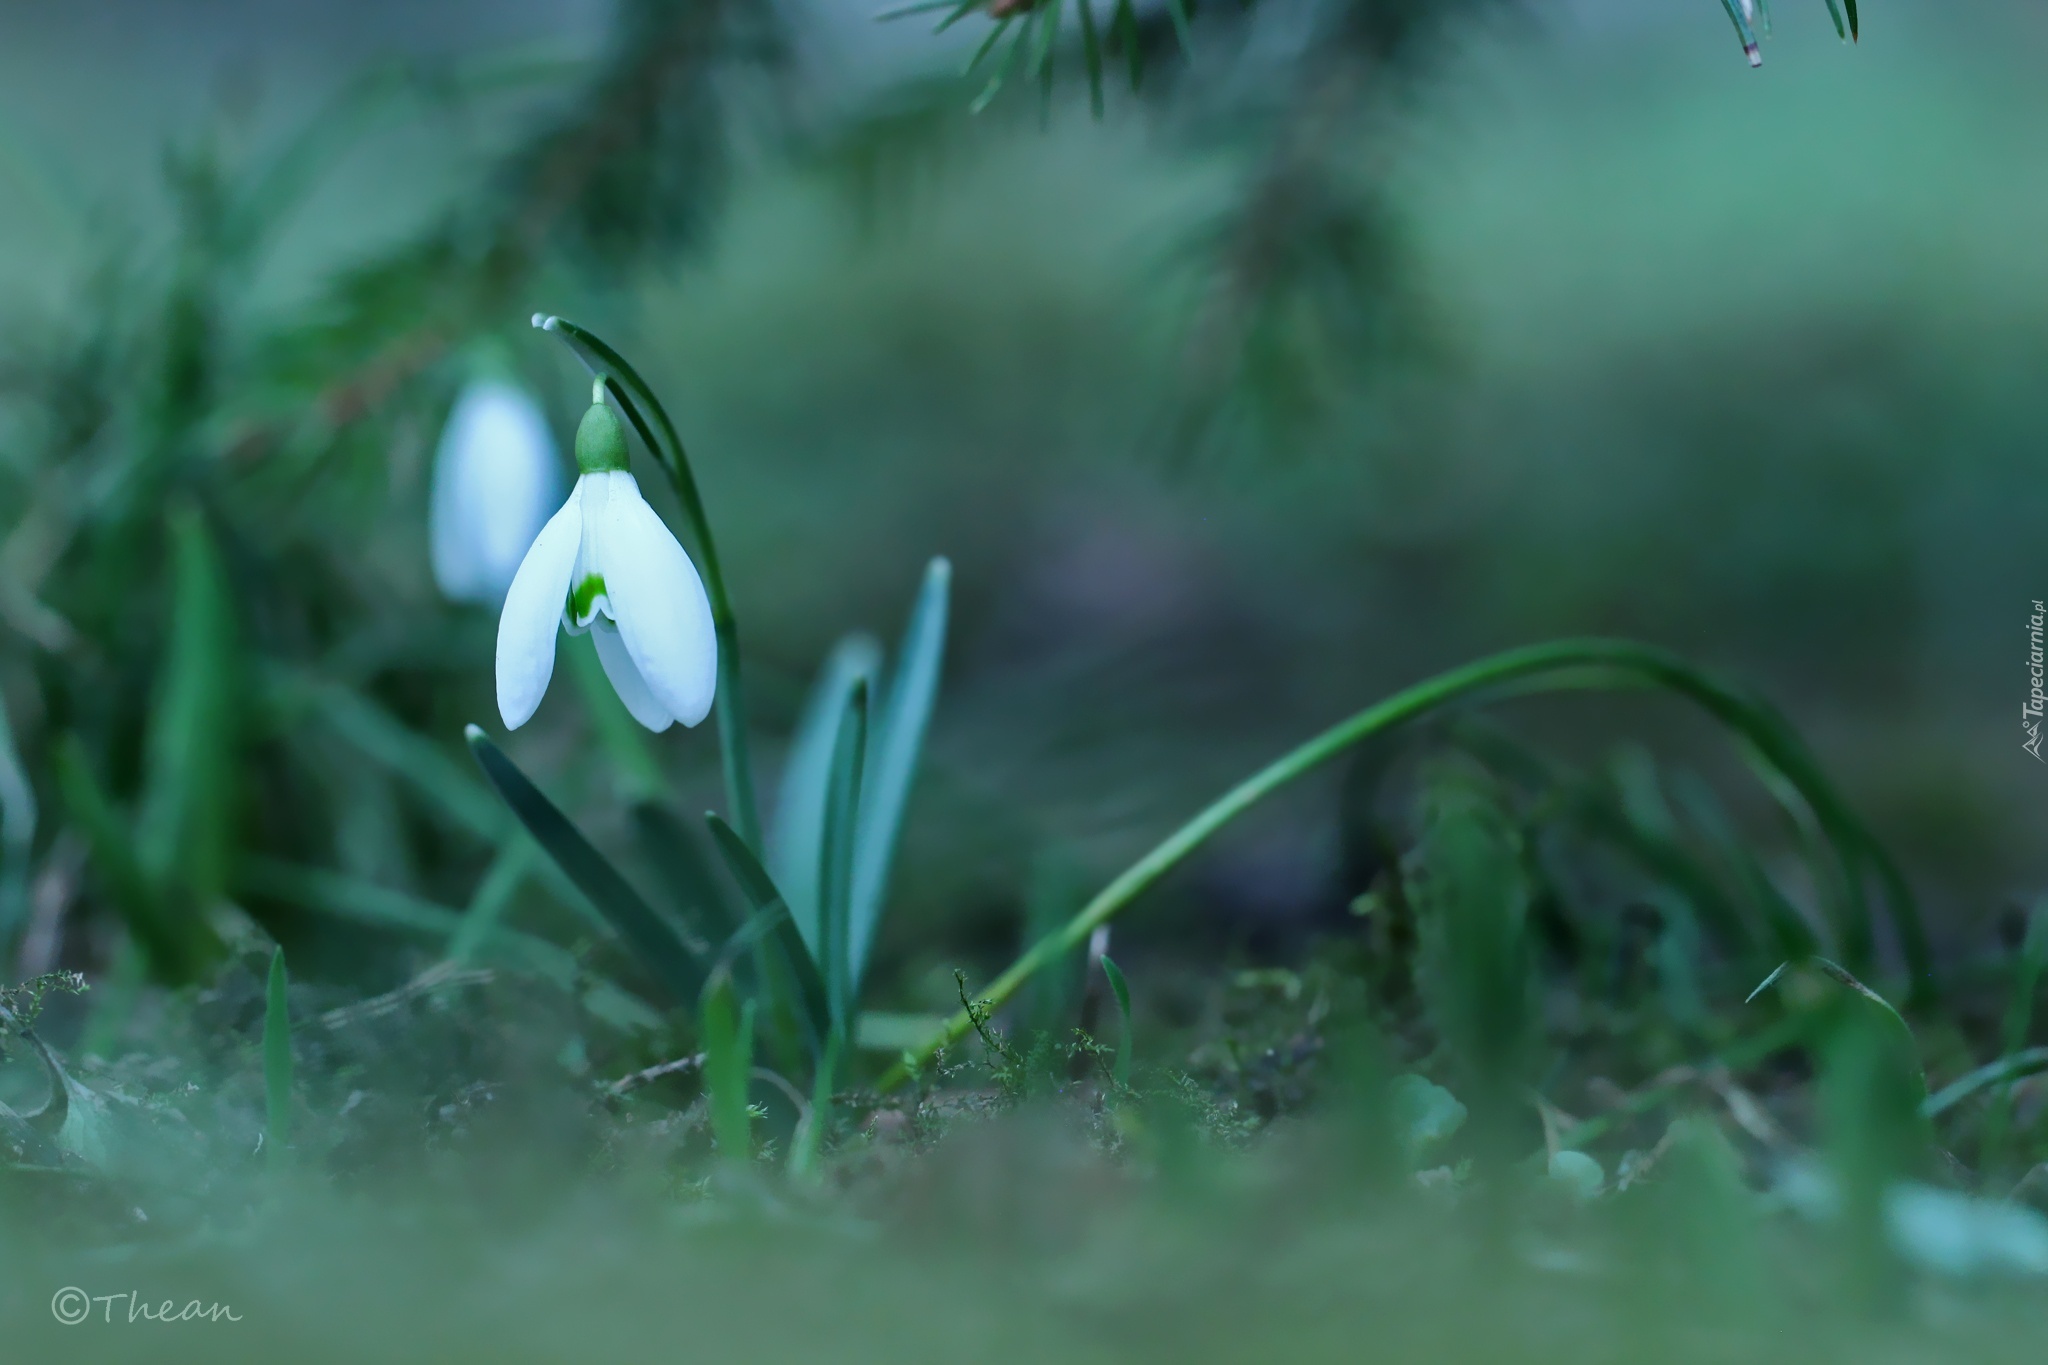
(607, 564)
(496, 476)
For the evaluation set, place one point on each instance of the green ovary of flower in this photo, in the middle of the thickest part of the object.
(583, 598)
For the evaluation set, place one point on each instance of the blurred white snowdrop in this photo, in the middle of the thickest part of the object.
(606, 563)
(496, 477)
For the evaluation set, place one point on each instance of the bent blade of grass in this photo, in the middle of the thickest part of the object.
(799, 831)
(277, 1066)
(797, 972)
(1847, 979)
(904, 716)
(2001, 1073)
(661, 951)
(648, 418)
(1575, 662)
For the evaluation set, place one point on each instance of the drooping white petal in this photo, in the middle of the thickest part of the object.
(496, 476)
(658, 601)
(626, 679)
(533, 612)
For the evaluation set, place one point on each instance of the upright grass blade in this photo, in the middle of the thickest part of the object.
(1850, 5)
(182, 830)
(1091, 55)
(1119, 988)
(728, 1036)
(799, 833)
(178, 947)
(1559, 665)
(277, 1067)
(836, 857)
(487, 906)
(17, 838)
(644, 411)
(810, 1139)
(1835, 13)
(890, 769)
(660, 950)
(805, 980)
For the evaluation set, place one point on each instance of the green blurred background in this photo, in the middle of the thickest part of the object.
(1622, 337)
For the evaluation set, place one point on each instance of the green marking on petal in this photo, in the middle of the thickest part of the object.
(583, 598)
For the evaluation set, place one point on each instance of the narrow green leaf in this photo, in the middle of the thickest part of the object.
(1045, 26)
(382, 738)
(961, 10)
(648, 418)
(1178, 10)
(487, 906)
(183, 826)
(1851, 5)
(810, 1139)
(277, 1067)
(360, 902)
(2002, 1073)
(17, 837)
(1123, 23)
(1091, 55)
(656, 943)
(1835, 13)
(988, 45)
(799, 840)
(178, 947)
(890, 769)
(835, 861)
(728, 1036)
(1122, 991)
(806, 979)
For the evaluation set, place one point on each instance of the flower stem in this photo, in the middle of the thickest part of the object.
(644, 411)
